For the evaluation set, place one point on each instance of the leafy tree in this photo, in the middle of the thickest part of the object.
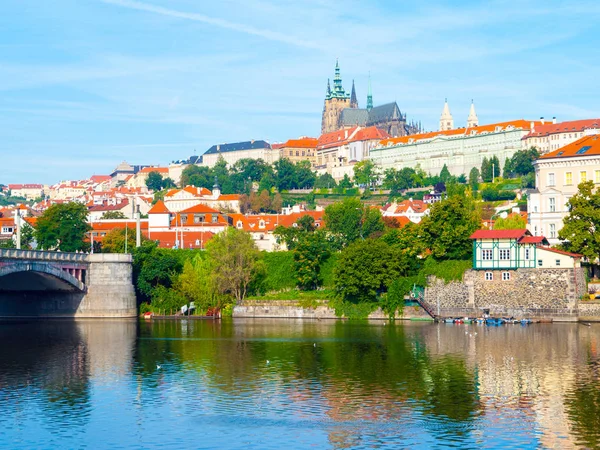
(325, 181)
(221, 174)
(310, 253)
(521, 163)
(408, 240)
(372, 222)
(445, 174)
(346, 182)
(474, 179)
(27, 238)
(365, 173)
(486, 170)
(114, 241)
(305, 177)
(234, 259)
(511, 222)
(64, 227)
(154, 181)
(365, 269)
(528, 181)
(448, 227)
(113, 215)
(196, 284)
(285, 175)
(580, 230)
(292, 235)
(199, 176)
(154, 269)
(462, 179)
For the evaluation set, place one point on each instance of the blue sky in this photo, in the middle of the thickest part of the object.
(85, 84)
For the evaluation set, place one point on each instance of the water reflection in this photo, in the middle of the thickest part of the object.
(293, 384)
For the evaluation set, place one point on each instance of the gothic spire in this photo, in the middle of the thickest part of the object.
(472, 120)
(353, 100)
(446, 120)
(328, 93)
(369, 96)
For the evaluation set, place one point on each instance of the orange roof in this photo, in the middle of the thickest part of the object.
(304, 142)
(561, 252)
(365, 134)
(226, 197)
(335, 137)
(585, 146)
(196, 191)
(563, 127)
(160, 170)
(491, 128)
(199, 209)
(417, 206)
(159, 208)
(251, 223)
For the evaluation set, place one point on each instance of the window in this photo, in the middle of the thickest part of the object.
(183, 219)
(527, 253)
(539, 263)
(569, 178)
(7, 230)
(198, 218)
(597, 176)
(486, 255)
(215, 218)
(504, 253)
(582, 150)
(582, 176)
(261, 224)
(550, 179)
(239, 225)
(552, 204)
(552, 230)
(558, 262)
(505, 276)
(489, 276)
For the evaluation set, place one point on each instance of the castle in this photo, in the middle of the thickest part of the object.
(341, 111)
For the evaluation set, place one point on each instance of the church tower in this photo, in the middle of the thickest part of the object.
(472, 120)
(353, 99)
(446, 120)
(336, 100)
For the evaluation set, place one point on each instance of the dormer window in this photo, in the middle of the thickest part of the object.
(239, 225)
(261, 224)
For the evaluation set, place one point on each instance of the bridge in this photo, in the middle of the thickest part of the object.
(60, 284)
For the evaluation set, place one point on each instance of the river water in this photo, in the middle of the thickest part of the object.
(283, 384)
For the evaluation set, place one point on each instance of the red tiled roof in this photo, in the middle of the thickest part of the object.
(563, 127)
(228, 197)
(491, 128)
(100, 178)
(199, 209)
(365, 134)
(561, 252)
(577, 149)
(335, 137)
(159, 208)
(500, 234)
(304, 142)
(533, 240)
(161, 170)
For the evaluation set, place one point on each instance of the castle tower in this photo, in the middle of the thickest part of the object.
(446, 120)
(472, 120)
(336, 99)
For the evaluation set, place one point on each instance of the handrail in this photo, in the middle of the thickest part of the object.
(12, 253)
(420, 298)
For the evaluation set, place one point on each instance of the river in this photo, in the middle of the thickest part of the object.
(275, 384)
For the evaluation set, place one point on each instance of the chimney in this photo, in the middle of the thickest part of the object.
(532, 126)
(542, 120)
(346, 134)
(554, 120)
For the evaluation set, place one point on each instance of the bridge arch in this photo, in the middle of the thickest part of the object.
(37, 276)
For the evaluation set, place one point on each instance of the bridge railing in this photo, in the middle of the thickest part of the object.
(12, 253)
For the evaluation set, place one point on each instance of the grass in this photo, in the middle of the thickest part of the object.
(293, 294)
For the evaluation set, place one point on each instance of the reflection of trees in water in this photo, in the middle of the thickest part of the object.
(51, 356)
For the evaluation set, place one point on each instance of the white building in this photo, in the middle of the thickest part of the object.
(459, 149)
(232, 153)
(550, 136)
(557, 176)
(181, 199)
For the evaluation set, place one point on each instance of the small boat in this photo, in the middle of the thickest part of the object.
(468, 320)
(494, 321)
(480, 321)
(458, 320)
(449, 320)
(526, 321)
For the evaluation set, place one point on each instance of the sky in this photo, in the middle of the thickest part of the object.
(86, 84)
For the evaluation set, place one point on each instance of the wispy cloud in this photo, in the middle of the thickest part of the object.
(238, 27)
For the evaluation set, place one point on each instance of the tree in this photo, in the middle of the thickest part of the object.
(154, 181)
(114, 241)
(154, 269)
(64, 227)
(113, 215)
(196, 284)
(199, 176)
(234, 258)
(474, 179)
(345, 182)
(448, 227)
(462, 179)
(310, 253)
(285, 175)
(325, 181)
(365, 173)
(344, 220)
(521, 163)
(486, 170)
(445, 174)
(366, 269)
(511, 222)
(305, 177)
(580, 230)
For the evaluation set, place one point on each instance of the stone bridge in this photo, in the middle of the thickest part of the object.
(59, 284)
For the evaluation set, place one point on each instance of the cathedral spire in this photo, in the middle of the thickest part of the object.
(369, 96)
(338, 89)
(353, 100)
(446, 120)
(472, 120)
(328, 93)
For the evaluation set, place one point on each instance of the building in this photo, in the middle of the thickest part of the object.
(181, 199)
(413, 210)
(122, 173)
(557, 176)
(340, 110)
(547, 137)
(459, 149)
(139, 179)
(301, 149)
(232, 153)
(28, 191)
(339, 151)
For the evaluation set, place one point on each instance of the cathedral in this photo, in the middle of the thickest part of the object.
(341, 111)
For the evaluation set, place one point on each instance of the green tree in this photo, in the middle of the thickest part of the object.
(199, 176)
(305, 177)
(445, 174)
(234, 259)
(154, 181)
(155, 269)
(511, 222)
(346, 182)
(365, 269)
(474, 179)
(63, 227)
(486, 170)
(521, 163)
(325, 181)
(365, 173)
(344, 220)
(310, 253)
(114, 241)
(285, 175)
(113, 215)
(448, 227)
(580, 230)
